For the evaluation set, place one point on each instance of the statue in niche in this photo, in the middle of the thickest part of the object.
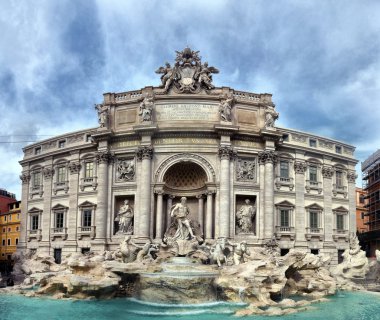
(245, 217)
(103, 115)
(125, 170)
(225, 107)
(270, 117)
(167, 75)
(125, 218)
(204, 75)
(246, 170)
(146, 109)
(179, 212)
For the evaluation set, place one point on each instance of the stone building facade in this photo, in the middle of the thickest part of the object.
(243, 177)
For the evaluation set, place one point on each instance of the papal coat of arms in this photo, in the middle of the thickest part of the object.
(188, 75)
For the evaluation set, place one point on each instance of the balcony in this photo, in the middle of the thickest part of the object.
(58, 233)
(314, 233)
(88, 182)
(87, 232)
(283, 181)
(313, 185)
(285, 232)
(339, 189)
(63, 185)
(340, 234)
(36, 190)
(34, 234)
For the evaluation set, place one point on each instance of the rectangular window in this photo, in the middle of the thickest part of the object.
(17, 228)
(3, 242)
(16, 241)
(362, 214)
(340, 222)
(361, 198)
(89, 170)
(5, 218)
(313, 143)
(61, 174)
(284, 169)
(34, 222)
(313, 173)
(285, 137)
(37, 150)
(10, 217)
(59, 220)
(88, 138)
(36, 179)
(61, 144)
(9, 242)
(284, 218)
(87, 215)
(339, 178)
(314, 220)
(338, 149)
(4, 229)
(9, 229)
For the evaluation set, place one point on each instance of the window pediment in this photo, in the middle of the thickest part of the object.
(34, 210)
(341, 210)
(314, 206)
(59, 207)
(285, 203)
(87, 204)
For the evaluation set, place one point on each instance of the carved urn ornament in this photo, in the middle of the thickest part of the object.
(188, 75)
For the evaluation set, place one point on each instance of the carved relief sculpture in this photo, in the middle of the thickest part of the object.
(245, 218)
(245, 170)
(125, 218)
(270, 117)
(146, 109)
(225, 108)
(103, 115)
(125, 170)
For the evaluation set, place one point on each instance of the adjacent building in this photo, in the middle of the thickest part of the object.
(9, 230)
(243, 177)
(361, 211)
(371, 185)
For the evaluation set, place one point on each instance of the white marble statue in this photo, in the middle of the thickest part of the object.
(146, 109)
(125, 217)
(240, 251)
(103, 115)
(217, 254)
(179, 212)
(245, 216)
(270, 117)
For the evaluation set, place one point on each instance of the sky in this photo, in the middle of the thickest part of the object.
(319, 59)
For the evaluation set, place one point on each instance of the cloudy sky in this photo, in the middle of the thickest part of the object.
(320, 59)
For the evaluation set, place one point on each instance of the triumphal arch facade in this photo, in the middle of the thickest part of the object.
(243, 178)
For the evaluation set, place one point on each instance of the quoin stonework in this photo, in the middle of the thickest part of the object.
(243, 177)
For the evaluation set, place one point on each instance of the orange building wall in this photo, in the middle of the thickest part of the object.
(9, 230)
(361, 211)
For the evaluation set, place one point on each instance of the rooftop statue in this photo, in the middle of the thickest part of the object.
(188, 74)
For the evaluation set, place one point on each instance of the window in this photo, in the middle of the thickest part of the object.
(18, 216)
(57, 255)
(87, 215)
(4, 229)
(59, 219)
(61, 144)
(10, 217)
(17, 229)
(9, 242)
(362, 215)
(34, 222)
(338, 149)
(314, 220)
(284, 169)
(313, 143)
(284, 218)
(37, 150)
(16, 241)
(339, 222)
(89, 170)
(314, 251)
(88, 138)
(36, 179)
(361, 198)
(285, 137)
(9, 229)
(3, 242)
(61, 174)
(5, 218)
(339, 178)
(313, 174)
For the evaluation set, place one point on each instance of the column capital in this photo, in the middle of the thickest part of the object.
(159, 191)
(351, 176)
(226, 152)
(300, 166)
(25, 177)
(74, 167)
(200, 196)
(144, 152)
(327, 172)
(267, 156)
(104, 157)
(48, 172)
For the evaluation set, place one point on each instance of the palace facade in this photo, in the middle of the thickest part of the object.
(216, 146)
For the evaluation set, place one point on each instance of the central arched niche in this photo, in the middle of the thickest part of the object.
(185, 179)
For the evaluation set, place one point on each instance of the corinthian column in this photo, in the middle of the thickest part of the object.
(327, 173)
(159, 215)
(24, 217)
(48, 173)
(351, 177)
(268, 158)
(145, 154)
(103, 158)
(225, 154)
(299, 221)
(72, 227)
(208, 229)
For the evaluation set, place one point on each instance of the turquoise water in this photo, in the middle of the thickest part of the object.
(345, 306)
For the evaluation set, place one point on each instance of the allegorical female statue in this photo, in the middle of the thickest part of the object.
(125, 218)
(245, 217)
